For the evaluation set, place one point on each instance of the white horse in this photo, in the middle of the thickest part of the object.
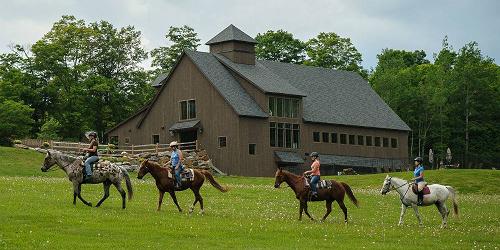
(438, 196)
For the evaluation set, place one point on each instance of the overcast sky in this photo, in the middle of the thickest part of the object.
(372, 25)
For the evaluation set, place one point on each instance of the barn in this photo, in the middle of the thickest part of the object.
(253, 116)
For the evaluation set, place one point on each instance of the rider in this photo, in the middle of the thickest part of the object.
(315, 174)
(419, 179)
(92, 154)
(176, 161)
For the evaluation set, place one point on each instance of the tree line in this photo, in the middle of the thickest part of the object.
(88, 76)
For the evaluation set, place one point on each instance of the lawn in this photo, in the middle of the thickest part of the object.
(36, 212)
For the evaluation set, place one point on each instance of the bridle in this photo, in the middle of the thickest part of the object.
(395, 188)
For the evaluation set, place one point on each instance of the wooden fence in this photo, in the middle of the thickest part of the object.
(104, 150)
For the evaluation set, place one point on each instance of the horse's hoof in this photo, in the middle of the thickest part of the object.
(89, 204)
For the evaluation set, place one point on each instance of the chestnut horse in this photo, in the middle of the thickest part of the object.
(335, 193)
(166, 184)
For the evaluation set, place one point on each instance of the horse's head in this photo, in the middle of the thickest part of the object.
(48, 162)
(143, 170)
(386, 186)
(280, 177)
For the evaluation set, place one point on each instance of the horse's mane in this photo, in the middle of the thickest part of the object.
(64, 157)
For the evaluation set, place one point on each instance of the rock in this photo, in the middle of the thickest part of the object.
(154, 158)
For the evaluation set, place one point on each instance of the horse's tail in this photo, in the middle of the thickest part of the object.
(129, 183)
(212, 181)
(350, 194)
(454, 199)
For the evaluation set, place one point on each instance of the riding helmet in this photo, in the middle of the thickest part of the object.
(419, 159)
(314, 154)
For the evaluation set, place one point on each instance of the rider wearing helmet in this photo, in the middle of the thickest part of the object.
(419, 179)
(176, 161)
(91, 153)
(314, 172)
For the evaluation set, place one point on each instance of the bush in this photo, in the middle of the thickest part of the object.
(15, 121)
(45, 145)
(50, 130)
(18, 142)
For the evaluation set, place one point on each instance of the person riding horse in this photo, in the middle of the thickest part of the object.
(419, 179)
(314, 172)
(176, 162)
(92, 156)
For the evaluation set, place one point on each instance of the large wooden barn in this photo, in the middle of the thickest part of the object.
(255, 115)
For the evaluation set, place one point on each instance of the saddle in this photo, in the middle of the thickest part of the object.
(426, 189)
(186, 174)
(92, 166)
(321, 183)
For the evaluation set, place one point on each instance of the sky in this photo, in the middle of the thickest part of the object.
(371, 25)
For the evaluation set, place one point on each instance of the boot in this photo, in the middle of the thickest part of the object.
(420, 200)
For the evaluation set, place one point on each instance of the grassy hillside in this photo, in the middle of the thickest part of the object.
(22, 162)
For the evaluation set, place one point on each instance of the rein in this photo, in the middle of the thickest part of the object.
(395, 188)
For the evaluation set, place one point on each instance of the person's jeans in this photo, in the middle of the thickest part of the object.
(88, 164)
(178, 174)
(314, 182)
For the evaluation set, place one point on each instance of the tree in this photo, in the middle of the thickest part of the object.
(15, 120)
(329, 50)
(280, 46)
(183, 38)
(50, 130)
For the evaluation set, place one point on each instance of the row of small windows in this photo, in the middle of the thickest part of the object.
(283, 107)
(355, 139)
(284, 135)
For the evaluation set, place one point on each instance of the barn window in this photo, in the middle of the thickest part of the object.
(251, 148)
(281, 138)
(369, 141)
(316, 136)
(295, 108)
(326, 137)
(188, 109)
(296, 135)
(222, 141)
(377, 141)
(334, 138)
(394, 142)
(286, 135)
(343, 139)
(361, 140)
(156, 139)
(283, 107)
(385, 142)
(351, 139)
(272, 133)
(272, 106)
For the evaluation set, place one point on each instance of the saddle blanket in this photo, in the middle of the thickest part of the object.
(186, 175)
(426, 189)
(321, 184)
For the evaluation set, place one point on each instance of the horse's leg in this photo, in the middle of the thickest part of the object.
(191, 209)
(75, 192)
(307, 212)
(197, 198)
(118, 187)
(79, 190)
(301, 209)
(403, 210)
(328, 210)
(106, 186)
(344, 209)
(443, 210)
(160, 199)
(172, 194)
(417, 214)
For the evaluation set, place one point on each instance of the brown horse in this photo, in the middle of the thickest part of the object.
(335, 193)
(166, 184)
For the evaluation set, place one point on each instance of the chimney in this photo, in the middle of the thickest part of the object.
(234, 44)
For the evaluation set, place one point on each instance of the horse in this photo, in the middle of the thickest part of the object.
(105, 173)
(164, 183)
(438, 196)
(336, 192)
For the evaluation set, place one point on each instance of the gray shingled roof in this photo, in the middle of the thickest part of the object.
(262, 77)
(231, 33)
(157, 81)
(356, 161)
(184, 125)
(337, 97)
(289, 157)
(225, 83)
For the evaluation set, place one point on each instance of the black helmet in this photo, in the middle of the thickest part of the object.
(92, 133)
(314, 154)
(419, 159)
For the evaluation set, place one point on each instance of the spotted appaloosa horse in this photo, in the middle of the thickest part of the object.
(438, 196)
(335, 193)
(166, 184)
(105, 173)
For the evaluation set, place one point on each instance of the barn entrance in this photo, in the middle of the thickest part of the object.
(188, 136)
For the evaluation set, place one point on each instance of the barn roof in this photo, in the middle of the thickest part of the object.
(231, 33)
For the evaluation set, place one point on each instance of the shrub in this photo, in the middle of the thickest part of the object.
(45, 145)
(18, 142)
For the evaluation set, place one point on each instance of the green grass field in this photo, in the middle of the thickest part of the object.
(36, 211)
